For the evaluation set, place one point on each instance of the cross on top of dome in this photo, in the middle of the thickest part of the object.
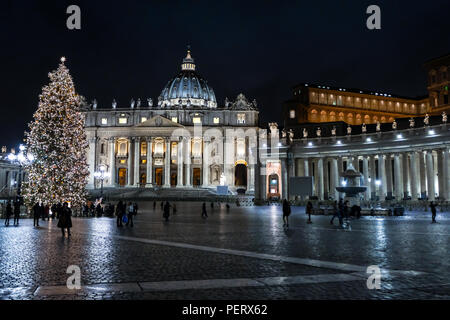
(188, 62)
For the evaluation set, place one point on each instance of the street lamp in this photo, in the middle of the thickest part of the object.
(101, 175)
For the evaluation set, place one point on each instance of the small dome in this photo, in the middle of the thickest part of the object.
(188, 88)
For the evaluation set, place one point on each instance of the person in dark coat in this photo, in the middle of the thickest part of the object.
(309, 209)
(433, 212)
(204, 213)
(335, 212)
(65, 220)
(166, 213)
(16, 213)
(42, 211)
(8, 213)
(36, 214)
(286, 212)
(98, 210)
(119, 213)
(130, 214)
(53, 209)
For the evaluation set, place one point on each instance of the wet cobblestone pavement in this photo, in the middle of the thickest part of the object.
(243, 253)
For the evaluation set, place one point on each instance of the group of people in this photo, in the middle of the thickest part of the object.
(62, 212)
(9, 211)
(125, 213)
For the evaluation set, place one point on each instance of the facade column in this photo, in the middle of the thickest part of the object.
(167, 165)
(187, 160)
(423, 175)
(92, 161)
(130, 161)
(299, 167)
(406, 179)
(305, 168)
(326, 186)
(180, 163)
(366, 177)
(228, 161)
(334, 179)
(205, 163)
(382, 177)
(137, 162)
(373, 178)
(430, 176)
(389, 175)
(398, 178)
(149, 163)
(112, 162)
(413, 172)
(320, 184)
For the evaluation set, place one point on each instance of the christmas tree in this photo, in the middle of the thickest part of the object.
(57, 142)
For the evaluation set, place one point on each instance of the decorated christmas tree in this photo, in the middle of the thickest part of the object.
(58, 144)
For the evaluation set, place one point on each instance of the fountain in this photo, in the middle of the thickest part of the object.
(352, 186)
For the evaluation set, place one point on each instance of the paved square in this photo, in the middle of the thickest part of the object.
(241, 253)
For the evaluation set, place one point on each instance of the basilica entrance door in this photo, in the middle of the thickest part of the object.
(122, 177)
(240, 175)
(159, 176)
(196, 176)
(173, 179)
(143, 179)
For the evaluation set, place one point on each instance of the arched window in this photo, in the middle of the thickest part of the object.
(350, 118)
(314, 115)
(367, 119)
(358, 119)
(332, 116)
(323, 116)
(341, 116)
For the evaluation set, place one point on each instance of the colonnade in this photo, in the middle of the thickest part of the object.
(411, 174)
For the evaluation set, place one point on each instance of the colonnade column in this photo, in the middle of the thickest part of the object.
(389, 175)
(413, 174)
(398, 178)
(382, 177)
(187, 159)
(366, 177)
(228, 162)
(149, 171)
(441, 174)
(130, 161)
(298, 167)
(430, 175)
(334, 179)
(167, 165)
(137, 162)
(373, 177)
(180, 164)
(284, 190)
(205, 163)
(112, 161)
(406, 179)
(447, 173)
(423, 175)
(320, 184)
(305, 168)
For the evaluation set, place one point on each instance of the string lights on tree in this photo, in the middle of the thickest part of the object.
(58, 143)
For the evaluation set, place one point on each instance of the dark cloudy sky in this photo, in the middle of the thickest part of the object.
(261, 48)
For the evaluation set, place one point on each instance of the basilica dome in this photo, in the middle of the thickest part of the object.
(188, 89)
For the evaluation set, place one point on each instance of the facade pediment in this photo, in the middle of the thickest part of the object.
(159, 121)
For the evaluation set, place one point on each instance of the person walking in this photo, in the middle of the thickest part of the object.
(286, 212)
(309, 209)
(433, 212)
(98, 210)
(8, 213)
(341, 211)
(204, 213)
(42, 211)
(130, 214)
(135, 208)
(335, 212)
(166, 209)
(119, 213)
(36, 213)
(65, 220)
(16, 212)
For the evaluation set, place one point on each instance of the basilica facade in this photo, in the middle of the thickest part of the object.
(184, 139)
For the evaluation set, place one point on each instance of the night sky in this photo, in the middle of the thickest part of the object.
(132, 48)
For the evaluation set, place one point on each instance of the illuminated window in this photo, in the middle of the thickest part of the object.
(196, 120)
(292, 114)
(216, 120)
(123, 120)
(241, 118)
(143, 119)
(144, 161)
(104, 121)
(123, 161)
(175, 119)
(143, 149)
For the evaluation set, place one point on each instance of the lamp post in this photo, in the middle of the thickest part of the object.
(101, 175)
